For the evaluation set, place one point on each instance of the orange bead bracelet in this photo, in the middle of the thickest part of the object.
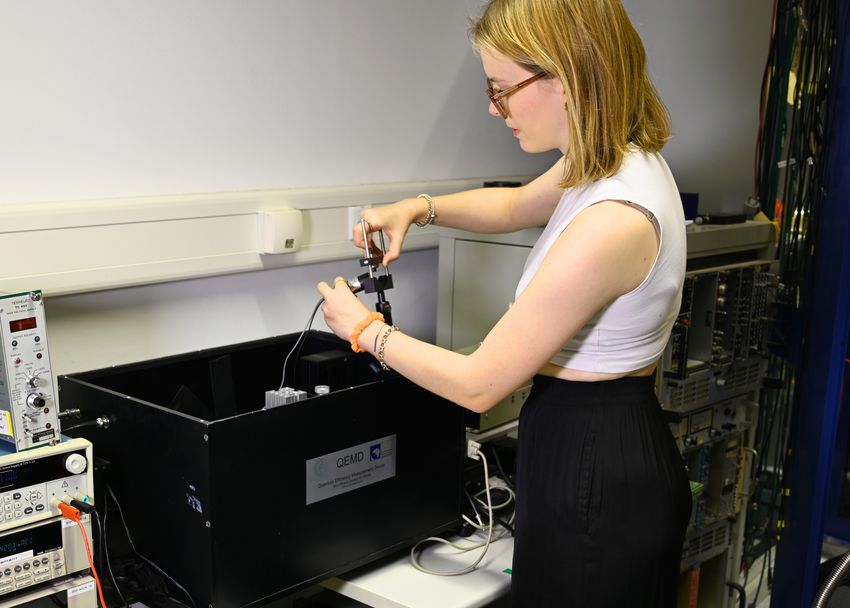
(366, 322)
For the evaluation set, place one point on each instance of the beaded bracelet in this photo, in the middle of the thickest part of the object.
(432, 211)
(380, 354)
(366, 322)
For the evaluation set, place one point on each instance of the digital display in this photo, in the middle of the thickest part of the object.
(34, 541)
(10, 475)
(22, 324)
(14, 546)
(31, 472)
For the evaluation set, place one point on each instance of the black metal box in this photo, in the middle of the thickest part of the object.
(242, 504)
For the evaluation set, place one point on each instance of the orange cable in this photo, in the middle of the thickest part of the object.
(91, 562)
(73, 514)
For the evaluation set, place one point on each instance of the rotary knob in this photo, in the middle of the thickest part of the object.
(35, 400)
(76, 463)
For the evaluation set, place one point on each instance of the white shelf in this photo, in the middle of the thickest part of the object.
(400, 585)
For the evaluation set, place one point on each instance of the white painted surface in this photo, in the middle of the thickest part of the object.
(110, 99)
(399, 585)
(121, 99)
(707, 59)
(107, 99)
(65, 248)
(94, 330)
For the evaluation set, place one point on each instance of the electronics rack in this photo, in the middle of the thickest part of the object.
(42, 553)
(708, 381)
(77, 591)
(28, 413)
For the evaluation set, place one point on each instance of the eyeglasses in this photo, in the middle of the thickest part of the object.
(498, 97)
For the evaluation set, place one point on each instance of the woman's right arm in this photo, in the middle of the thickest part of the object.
(483, 210)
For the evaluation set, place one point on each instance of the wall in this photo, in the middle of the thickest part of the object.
(120, 98)
(707, 59)
(95, 330)
(123, 99)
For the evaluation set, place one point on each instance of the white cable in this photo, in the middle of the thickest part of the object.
(414, 560)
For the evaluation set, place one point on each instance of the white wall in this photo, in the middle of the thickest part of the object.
(107, 98)
(115, 98)
(707, 60)
(90, 331)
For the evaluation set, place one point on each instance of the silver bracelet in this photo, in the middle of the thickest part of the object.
(380, 354)
(432, 211)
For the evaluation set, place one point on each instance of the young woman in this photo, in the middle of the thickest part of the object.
(603, 499)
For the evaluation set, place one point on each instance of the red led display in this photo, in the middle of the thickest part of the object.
(22, 324)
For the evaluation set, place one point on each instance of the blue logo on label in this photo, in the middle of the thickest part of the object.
(375, 452)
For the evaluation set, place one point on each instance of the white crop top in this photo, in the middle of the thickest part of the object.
(632, 331)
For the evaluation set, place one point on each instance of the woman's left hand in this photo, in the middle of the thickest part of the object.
(342, 310)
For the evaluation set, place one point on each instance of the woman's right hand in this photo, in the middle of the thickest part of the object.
(394, 221)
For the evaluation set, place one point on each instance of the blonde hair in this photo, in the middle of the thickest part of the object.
(592, 47)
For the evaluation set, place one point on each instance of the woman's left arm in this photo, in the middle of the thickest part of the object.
(606, 251)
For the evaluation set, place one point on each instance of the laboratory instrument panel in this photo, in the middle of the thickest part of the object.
(720, 331)
(74, 591)
(41, 552)
(31, 480)
(28, 412)
(709, 382)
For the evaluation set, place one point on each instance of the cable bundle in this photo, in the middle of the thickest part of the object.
(480, 506)
(790, 172)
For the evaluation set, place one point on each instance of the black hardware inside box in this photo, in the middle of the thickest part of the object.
(217, 490)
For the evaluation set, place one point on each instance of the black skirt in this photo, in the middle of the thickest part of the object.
(603, 499)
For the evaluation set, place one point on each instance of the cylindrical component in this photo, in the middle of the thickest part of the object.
(76, 463)
(35, 400)
(321, 389)
(83, 497)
